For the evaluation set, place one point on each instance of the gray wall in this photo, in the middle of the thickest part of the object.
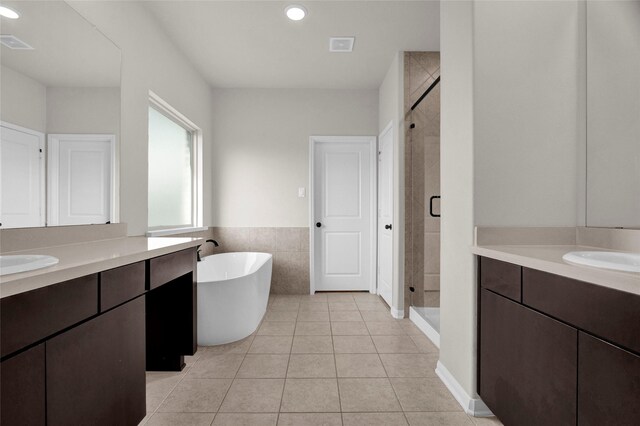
(511, 106)
(23, 100)
(261, 148)
(150, 61)
(526, 112)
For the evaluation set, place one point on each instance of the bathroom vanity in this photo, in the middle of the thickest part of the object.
(77, 338)
(552, 349)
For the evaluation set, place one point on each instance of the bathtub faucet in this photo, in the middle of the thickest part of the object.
(215, 244)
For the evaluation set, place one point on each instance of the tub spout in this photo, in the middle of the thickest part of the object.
(199, 257)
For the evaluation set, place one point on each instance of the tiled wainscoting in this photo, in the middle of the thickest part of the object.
(289, 247)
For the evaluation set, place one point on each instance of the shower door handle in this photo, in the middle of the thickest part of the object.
(431, 206)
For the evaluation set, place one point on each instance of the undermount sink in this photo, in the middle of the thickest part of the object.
(628, 262)
(12, 264)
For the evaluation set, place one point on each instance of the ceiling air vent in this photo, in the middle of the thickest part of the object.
(341, 44)
(13, 42)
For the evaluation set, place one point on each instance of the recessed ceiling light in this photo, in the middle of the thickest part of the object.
(8, 13)
(296, 12)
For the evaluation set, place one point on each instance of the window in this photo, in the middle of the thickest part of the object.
(175, 171)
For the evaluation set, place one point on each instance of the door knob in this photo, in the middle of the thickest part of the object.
(318, 224)
(387, 227)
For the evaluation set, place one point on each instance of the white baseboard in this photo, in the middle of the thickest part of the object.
(424, 326)
(472, 406)
(397, 313)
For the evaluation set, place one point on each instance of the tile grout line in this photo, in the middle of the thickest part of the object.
(184, 374)
(286, 372)
(244, 356)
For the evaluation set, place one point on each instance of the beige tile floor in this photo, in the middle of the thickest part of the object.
(327, 359)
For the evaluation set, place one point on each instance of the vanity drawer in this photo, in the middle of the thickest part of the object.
(166, 268)
(121, 284)
(501, 277)
(28, 317)
(609, 314)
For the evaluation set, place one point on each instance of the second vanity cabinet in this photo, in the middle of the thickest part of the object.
(556, 351)
(75, 353)
(96, 371)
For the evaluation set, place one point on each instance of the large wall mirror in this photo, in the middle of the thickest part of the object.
(613, 114)
(60, 118)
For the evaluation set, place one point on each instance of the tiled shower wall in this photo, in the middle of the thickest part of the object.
(422, 179)
(289, 247)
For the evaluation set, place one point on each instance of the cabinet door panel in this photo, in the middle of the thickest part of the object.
(608, 384)
(96, 371)
(528, 364)
(22, 389)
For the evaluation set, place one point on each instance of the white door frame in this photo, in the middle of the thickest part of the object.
(373, 143)
(53, 142)
(389, 128)
(40, 137)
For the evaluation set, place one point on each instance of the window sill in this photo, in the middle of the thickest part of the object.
(175, 231)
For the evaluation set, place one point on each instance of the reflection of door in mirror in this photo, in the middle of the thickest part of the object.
(67, 82)
(21, 177)
(80, 179)
(613, 114)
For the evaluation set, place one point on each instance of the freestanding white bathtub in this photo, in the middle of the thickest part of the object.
(233, 291)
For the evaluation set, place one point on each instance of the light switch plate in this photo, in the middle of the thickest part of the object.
(302, 192)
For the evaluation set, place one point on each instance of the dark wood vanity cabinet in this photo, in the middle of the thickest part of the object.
(22, 388)
(528, 363)
(565, 354)
(95, 372)
(608, 384)
(75, 353)
(171, 313)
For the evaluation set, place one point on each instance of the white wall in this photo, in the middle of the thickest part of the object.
(261, 148)
(457, 264)
(391, 109)
(23, 100)
(526, 67)
(149, 62)
(510, 141)
(83, 110)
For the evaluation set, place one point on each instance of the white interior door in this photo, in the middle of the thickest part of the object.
(385, 214)
(343, 199)
(80, 179)
(21, 177)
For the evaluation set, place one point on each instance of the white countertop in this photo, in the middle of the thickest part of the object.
(548, 258)
(77, 260)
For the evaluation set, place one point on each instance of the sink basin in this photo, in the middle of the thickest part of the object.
(13, 264)
(628, 262)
